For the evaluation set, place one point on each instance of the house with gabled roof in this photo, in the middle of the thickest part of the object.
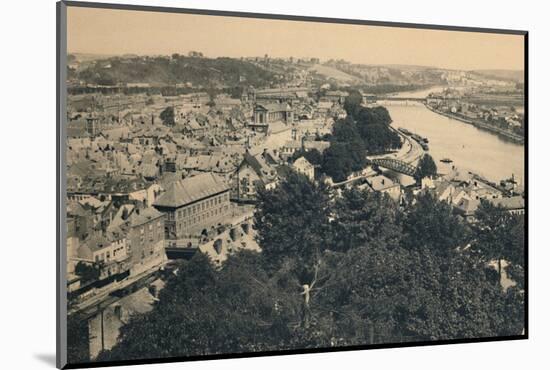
(252, 174)
(193, 205)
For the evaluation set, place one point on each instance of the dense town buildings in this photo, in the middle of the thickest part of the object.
(155, 183)
(155, 175)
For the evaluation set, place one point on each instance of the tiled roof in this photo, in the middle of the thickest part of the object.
(516, 202)
(97, 242)
(468, 206)
(191, 189)
(140, 217)
(302, 163)
(293, 144)
(379, 183)
(274, 107)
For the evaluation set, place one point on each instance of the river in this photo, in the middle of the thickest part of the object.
(470, 148)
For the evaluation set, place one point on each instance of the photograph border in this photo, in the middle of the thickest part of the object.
(61, 253)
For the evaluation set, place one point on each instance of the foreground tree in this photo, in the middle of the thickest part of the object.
(426, 168)
(500, 235)
(332, 272)
(207, 311)
(364, 218)
(387, 295)
(77, 340)
(292, 224)
(430, 223)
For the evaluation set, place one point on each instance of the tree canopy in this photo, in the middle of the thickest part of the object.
(167, 116)
(430, 223)
(292, 222)
(335, 270)
(499, 235)
(426, 168)
(364, 131)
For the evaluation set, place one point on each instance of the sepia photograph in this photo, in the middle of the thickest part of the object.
(242, 184)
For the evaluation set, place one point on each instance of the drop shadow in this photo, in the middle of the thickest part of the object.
(46, 358)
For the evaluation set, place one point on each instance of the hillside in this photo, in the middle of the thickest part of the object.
(162, 71)
(394, 75)
(334, 74)
(501, 74)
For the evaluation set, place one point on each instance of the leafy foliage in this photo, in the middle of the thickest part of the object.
(77, 340)
(426, 168)
(365, 218)
(500, 236)
(334, 271)
(364, 130)
(292, 222)
(341, 159)
(432, 224)
(167, 71)
(353, 102)
(87, 272)
(167, 116)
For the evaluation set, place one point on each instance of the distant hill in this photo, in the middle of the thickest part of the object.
(387, 75)
(163, 70)
(501, 74)
(336, 74)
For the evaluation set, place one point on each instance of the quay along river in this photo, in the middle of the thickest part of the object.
(470, 148)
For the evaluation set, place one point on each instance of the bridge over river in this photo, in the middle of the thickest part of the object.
(404, 161)
(399, 98)
(395, 165)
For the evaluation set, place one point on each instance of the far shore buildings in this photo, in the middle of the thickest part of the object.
(193, 206)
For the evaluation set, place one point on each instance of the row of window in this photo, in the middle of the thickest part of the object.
(199, 207)
(150, 226)
(106, 256)
(202, 217)
(152, 234)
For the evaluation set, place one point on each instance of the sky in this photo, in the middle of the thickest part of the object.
(109, 31)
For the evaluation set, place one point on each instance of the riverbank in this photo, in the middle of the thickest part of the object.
(496, 130)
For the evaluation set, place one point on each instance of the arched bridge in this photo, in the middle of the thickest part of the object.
(395, 165)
